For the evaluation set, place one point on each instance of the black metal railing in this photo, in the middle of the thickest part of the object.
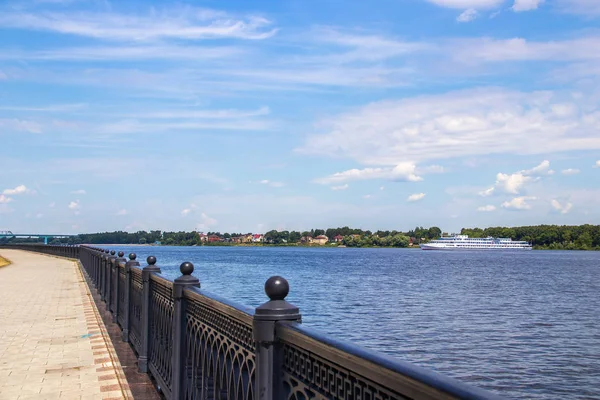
(198, 345)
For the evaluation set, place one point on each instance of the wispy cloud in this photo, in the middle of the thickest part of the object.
(526, 5)
(4, 199)
(570, 171)
(340, 187)
(513, 183)
(518, 203)
(75, 206)
(184, 23)
(462, 4)
(20, 125)
(415, 197)
(80, 191)
(21, 189)
(459, 124)
(563, 208)
(271, 183)
(487, 208)
(467, 15)
(401, 172)
(583, 7)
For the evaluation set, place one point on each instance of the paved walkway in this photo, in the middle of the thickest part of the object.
(53, 343)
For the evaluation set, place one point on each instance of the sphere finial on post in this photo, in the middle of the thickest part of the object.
(132, 256)
(277, 308)
(186, 278)
(151, 260)
(186, 268)
(121, 254)
(112, 252)
(277, 288)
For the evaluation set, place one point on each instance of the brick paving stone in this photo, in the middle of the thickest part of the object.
(51, 332)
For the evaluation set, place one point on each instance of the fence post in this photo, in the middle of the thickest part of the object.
(103, 273)
(117, 274)
(143, 354)
(179, 344)
(109, 280)
(127, 289)
(268, 350)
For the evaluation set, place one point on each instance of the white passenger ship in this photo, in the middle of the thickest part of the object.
(463, 242)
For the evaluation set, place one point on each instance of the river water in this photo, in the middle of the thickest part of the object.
(522, 324)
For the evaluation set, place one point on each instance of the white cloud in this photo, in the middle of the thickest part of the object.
(526, 5)
(597, 165)
(340, 187)
(74, 205)
(463, 4)
(464, 123)
(205, 222)
(513, 183)
(382, 188)
(80, 191)
(39, 215)
(562, 208)
(518, 203)
(570, 171)
(186, 211)
(367, 196)
(487, 192)
(486, 208)
(18, 190)
(415, 197)
(122, 212)
(4, 199)
(540, 170)
(182, 23)
(401, 172)
(51, 205)
(467, 15)
(271, 183)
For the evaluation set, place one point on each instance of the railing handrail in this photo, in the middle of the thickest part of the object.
(230, 307)
(376, 365)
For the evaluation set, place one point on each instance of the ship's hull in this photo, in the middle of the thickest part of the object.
(495, 248)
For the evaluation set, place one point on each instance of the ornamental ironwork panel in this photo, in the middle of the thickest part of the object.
(121, 306)
(160, 342)
(220, 355)
(307, 376)
(135, 308)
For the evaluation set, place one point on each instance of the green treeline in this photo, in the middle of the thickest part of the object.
(350, 237)
(553, 237)
(547, 237)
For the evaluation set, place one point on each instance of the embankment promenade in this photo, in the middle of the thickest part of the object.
(53, 343)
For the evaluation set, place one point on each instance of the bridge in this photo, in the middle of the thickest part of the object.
(9, 234)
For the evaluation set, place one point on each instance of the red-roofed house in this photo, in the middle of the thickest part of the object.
(257, 237)
(338, 238)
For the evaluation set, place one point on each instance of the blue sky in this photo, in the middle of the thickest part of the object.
(250, 116)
